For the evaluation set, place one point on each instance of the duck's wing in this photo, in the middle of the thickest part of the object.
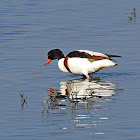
(86, 54)
(98, 56)
(95, 53)
(90, 55)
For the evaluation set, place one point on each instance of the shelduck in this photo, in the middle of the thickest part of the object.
(83, 62)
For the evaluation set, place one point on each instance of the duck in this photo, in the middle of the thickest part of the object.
(82, 62)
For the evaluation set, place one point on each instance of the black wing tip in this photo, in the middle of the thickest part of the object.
(110, 55)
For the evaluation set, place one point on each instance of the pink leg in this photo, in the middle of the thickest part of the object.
(87, 77)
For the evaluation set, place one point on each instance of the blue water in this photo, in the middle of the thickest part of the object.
(104, 108)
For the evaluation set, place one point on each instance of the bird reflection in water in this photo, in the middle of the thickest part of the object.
(85, 102)
(80, 92)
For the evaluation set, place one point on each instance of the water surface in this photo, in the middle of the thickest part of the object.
(104, 108)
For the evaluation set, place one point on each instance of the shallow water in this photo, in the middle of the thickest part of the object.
(107, 107)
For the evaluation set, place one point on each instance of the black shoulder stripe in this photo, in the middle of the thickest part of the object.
(79, 54)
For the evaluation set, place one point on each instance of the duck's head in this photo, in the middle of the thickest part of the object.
(54, 54)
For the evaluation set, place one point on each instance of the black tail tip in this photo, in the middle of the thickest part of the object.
(109, 55)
